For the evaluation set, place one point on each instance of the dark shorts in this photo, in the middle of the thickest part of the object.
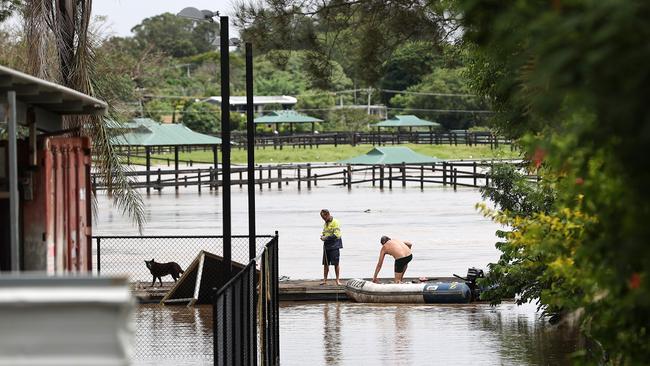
(331, 257)
(402, 262)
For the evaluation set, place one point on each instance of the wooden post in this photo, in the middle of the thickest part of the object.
(390, 177)
(421, 177)
(210, 178)
(455, 178)
(373, 175)
(159, 181)
(403, 174)
(381, 177)
(176, 167)
(199, 180)
(147, 151)
(444, 173)
(474, 173)
(240, 179)
(279, 178)
(260, 180)
(185, 178)
(298, 177)
(269, 175)
(343, 176)
(349, 176)
(308, 176)
(315, 180)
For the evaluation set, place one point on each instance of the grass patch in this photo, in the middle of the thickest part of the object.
(329, 153)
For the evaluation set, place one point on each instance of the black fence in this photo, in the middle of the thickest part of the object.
(203, 334)
(237, 328)
(304, 140)
(125, 255)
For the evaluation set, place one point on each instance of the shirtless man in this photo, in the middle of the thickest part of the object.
(400, 250)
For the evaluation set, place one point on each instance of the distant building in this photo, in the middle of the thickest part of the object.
(238, 103)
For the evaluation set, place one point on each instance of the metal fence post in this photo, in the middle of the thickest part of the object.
(99, 256)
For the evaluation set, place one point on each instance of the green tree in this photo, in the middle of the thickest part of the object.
(570, 80)
(175, 36)
(202, 117)
(443, 89)
(407, 66)
(360, 35)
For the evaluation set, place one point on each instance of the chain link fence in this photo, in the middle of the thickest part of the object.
(170, 335)
(125, 255)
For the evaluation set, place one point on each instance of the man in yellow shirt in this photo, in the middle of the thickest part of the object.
(332, 243)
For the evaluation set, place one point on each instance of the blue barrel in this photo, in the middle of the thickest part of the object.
(446, 293)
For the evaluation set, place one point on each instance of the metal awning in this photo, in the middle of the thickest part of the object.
(49, 96)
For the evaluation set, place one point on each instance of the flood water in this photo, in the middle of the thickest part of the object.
(449, 235)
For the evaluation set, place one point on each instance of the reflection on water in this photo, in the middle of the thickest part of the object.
(173, 335)
(363, 334)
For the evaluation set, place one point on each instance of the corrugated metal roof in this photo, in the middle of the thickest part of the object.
(390, 155)
(408, 120)
(262, 99)
(47, 95)
(147, 132)
(286, 117)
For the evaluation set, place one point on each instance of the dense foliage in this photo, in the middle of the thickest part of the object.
(570, 79)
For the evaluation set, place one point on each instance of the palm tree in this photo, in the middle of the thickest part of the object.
(60, 48)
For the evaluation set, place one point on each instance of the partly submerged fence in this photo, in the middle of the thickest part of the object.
(452, 173)
(245, 311)
(240, 337)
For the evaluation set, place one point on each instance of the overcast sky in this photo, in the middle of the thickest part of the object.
(125, 14)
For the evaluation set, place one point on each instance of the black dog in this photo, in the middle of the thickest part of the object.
(159, 270)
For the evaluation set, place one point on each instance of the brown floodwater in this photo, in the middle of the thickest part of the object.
(449, 236)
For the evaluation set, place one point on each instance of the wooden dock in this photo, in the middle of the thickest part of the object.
(291, 290)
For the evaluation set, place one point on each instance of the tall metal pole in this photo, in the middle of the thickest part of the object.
(225, 143)
(250, 142)
(13, 183)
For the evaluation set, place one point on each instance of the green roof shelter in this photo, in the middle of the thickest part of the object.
(287, 116)
(147, 133)
(390, 155)
(409, 121)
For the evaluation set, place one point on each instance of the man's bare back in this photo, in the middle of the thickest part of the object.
(397, 248)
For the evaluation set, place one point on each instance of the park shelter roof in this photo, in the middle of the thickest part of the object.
(286, 116)
(390, 155)
(408, 120)
(147, 132)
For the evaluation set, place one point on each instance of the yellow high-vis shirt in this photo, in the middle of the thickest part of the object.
(332, 228)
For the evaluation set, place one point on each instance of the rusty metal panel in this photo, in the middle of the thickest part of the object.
(57, 225)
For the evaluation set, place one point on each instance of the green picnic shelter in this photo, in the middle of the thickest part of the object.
(409, 121)
(390, 156)
(149, 134)
(287, 116)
